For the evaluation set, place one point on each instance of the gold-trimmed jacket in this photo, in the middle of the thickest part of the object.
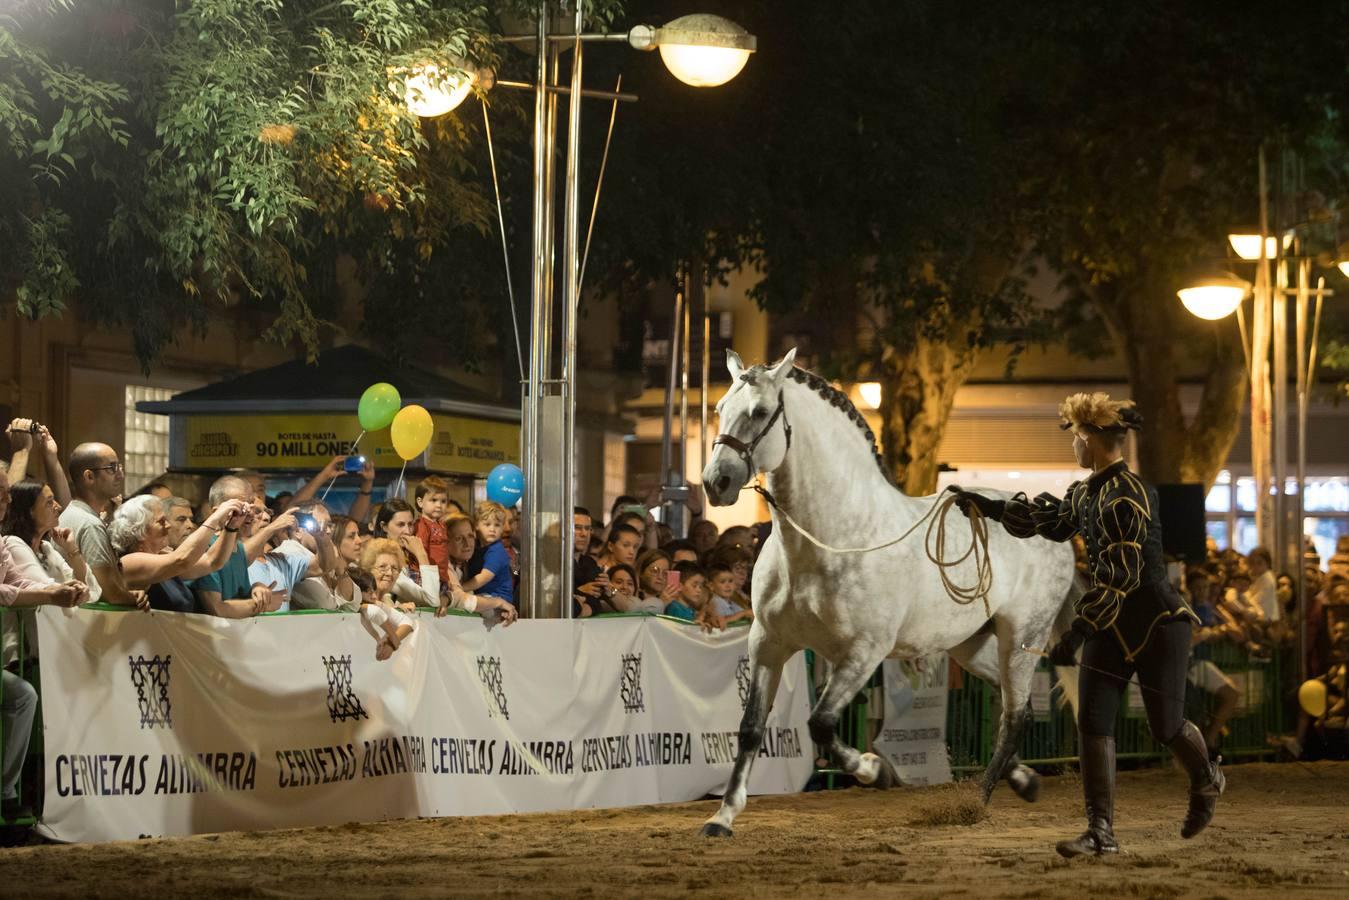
(1114, 512)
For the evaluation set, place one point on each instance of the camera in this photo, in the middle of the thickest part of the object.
(308, 523)
(354, 464)
(34, 426)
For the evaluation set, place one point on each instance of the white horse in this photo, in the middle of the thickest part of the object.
(855, 609)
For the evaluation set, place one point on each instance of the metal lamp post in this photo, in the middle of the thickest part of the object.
(1219, 295)
(700, 50)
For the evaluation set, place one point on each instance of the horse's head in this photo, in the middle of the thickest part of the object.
(755, 433)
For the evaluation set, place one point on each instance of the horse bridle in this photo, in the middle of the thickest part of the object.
(746, 451)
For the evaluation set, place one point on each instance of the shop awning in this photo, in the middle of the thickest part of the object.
(297, 416)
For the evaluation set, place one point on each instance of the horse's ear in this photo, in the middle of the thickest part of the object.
(733, 364)
(784, 365)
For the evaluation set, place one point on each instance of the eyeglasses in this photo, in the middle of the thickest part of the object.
(111, 467)
(384, 567)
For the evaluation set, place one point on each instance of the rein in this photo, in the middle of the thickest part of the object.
(934, 544)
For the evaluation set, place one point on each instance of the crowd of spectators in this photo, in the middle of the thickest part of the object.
(634, 564)
(1242, 602)
(72, 537)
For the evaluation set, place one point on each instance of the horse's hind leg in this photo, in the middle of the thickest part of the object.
(844, 683)
(1017, 668)
(766, 660)
(980, 657)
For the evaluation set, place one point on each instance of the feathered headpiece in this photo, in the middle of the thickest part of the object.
(1098, 413)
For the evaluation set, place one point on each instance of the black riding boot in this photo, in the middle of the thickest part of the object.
(1206, 779)
(1098, 786)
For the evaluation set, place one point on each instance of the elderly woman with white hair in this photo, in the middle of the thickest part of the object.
(140, 533)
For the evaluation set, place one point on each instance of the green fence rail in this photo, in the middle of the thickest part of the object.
(1050, 736)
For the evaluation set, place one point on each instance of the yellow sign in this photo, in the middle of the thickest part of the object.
(308, 441)
(473, 446)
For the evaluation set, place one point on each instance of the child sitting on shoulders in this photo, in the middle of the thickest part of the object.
(433, 503)
(495, 579)
(721, 580)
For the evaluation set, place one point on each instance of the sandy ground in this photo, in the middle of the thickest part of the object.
(1282, 830)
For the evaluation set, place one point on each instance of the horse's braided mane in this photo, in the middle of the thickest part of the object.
(839, 400)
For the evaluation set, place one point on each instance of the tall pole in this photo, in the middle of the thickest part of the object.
(702, 391)
(538, 338)
(684, 401)
(669, 481)
(571, 266)
(1300, 573)
(1260, 325)
(1282, 530)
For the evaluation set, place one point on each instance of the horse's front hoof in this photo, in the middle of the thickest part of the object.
(986, 793)
(886, 776)
(716, 830)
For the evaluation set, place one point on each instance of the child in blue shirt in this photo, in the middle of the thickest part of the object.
(496, 578)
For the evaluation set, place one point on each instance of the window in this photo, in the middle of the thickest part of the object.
(1231, 511)
(147, 438)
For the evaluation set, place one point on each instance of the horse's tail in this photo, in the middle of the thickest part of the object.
(1066, 689)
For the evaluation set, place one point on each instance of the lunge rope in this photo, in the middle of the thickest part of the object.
(935, 518)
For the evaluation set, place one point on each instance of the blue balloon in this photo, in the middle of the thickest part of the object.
(505, 485)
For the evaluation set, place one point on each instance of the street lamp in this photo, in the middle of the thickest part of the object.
(429, 92)
(1216, 296)
(700, 50)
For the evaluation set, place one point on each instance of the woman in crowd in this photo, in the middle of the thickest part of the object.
(382, 561)
(654, 591)
(623, 585)
(459, 530)
(139, 531)
(420, 581)
(43, 553)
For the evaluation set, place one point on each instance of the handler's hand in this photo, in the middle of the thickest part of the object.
(1064, 653)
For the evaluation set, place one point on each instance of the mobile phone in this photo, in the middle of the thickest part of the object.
(672, 579)
(632, 508)
(353, 464)
(308, 523)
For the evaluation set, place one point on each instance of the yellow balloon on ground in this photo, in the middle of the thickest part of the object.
(1312, 698)
(411, 431)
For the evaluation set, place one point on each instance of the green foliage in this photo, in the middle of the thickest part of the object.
(158, 160)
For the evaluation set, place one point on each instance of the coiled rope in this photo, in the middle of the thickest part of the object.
(934, 545)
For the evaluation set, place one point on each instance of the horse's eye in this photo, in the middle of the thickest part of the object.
(758, 413)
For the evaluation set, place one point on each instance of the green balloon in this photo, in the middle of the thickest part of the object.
(379, 404)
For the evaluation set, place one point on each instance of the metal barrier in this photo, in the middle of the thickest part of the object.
(1050, 736)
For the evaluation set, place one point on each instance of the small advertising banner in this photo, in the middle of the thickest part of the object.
(172, 724)
(913, 735)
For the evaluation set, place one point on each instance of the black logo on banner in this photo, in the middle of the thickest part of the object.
(343, 704)
(743, 680)
(493, 686)
(151, 679)
(631, 687)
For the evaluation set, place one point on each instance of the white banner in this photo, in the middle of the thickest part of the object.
(174, 724)
(913, 735)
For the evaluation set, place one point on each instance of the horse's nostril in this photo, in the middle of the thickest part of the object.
(723, 483)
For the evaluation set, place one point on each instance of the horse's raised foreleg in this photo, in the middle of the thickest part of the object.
(844, 683)
(765, 660)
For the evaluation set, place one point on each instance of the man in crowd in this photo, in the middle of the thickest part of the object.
(310, 549)
(1263, 592)
(229, 593)
(179, 513)
(590, 580)
(96, 478)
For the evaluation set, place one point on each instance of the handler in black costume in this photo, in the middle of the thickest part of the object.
(1131, 620)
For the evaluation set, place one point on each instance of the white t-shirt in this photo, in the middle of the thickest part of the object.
(45, 568)
(725, 608)
(1264, 593)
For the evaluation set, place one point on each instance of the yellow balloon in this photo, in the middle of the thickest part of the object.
(411, 431)
(1312, 697)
